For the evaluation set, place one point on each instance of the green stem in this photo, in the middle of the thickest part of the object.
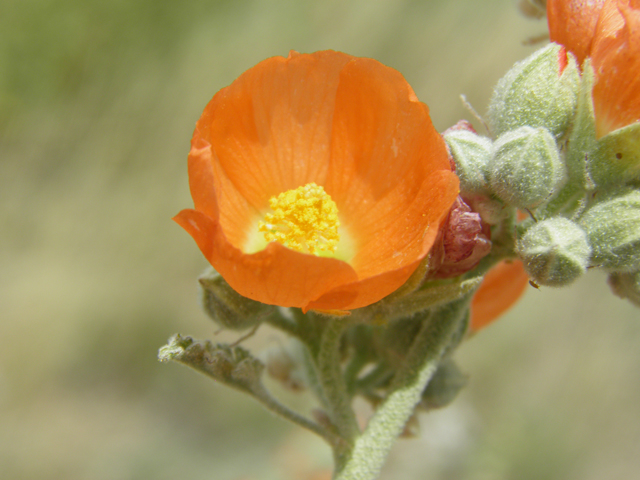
(380, 373)
(353, 368)
(264, 397)
(372, 447)
(236, 368)
(284, 324)
(332, 379)
(304, 331)
(311, 375)
(309, 329)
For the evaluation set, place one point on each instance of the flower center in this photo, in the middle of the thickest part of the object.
(304, 219)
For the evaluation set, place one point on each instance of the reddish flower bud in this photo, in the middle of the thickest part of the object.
(464, 125)
(463, 242)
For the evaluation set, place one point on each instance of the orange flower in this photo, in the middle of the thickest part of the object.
(572, 23)
(501, 288)
(318, 182)
(607, 31)
(616, 60)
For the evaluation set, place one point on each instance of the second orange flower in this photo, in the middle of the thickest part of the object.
(318, 182)
(608, 32)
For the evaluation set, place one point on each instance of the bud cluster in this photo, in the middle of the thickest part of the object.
(543, 155)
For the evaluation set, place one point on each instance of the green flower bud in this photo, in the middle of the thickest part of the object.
(555, 252)
(613, 229)
(537, 92)
(227, 307)
(525, 169)
(626, 285)
(616, 157)
(444, 386)
(471, 153)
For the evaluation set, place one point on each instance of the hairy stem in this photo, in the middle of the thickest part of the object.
(332, 379)
(372, 447)
(264, 397)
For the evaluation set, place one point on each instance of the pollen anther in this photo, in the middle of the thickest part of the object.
(304, 219)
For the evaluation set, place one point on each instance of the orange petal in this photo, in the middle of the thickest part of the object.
(501, 288)
(275, 275)
(211, 187)
(383, 275)
(616, 61)
(607, 31)
(271, 128)
(364, 292)
(389, 174)
(572, 23)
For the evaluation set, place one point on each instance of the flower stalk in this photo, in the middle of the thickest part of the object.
(229, 365)
(332, 379)
(372, 447)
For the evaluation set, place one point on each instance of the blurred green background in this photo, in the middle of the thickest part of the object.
(98, 100)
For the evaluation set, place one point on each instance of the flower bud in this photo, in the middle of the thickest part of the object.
(525, 169)
(540, 91)
(626, 285)
(613, 230)
(444, 386)
(616, 157)
(491, 210)
(464, 241)
(227, 307)
(555, 252)
(471, 153)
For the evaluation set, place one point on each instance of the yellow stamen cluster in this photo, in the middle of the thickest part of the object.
(304, 219)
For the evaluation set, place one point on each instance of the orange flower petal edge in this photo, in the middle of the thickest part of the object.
(607, 31)
(572, 23)
(501, 288)
(350, 125)
(616, 61)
